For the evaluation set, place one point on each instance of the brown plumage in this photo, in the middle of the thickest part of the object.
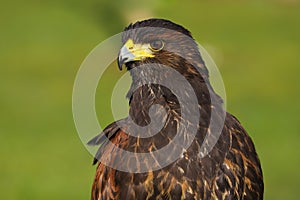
(231, 170)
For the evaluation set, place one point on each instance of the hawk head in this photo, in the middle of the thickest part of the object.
(160, 41)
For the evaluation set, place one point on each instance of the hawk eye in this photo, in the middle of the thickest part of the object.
(156, 45)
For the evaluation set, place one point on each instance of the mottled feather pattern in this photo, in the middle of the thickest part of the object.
(226, 173)
(231, 170)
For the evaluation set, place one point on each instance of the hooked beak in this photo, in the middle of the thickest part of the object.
(133, 52)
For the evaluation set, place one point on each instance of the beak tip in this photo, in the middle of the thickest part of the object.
(120, 66)
(120, 63)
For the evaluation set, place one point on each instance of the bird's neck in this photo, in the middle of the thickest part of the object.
(176, 112)
(145, 93)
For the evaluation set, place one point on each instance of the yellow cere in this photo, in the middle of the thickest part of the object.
(140, 51)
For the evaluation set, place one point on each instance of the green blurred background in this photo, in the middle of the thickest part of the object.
(255, 44)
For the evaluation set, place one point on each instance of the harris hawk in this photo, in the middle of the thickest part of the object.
(214, 163)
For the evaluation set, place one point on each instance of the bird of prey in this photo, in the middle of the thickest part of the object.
(230, 169)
